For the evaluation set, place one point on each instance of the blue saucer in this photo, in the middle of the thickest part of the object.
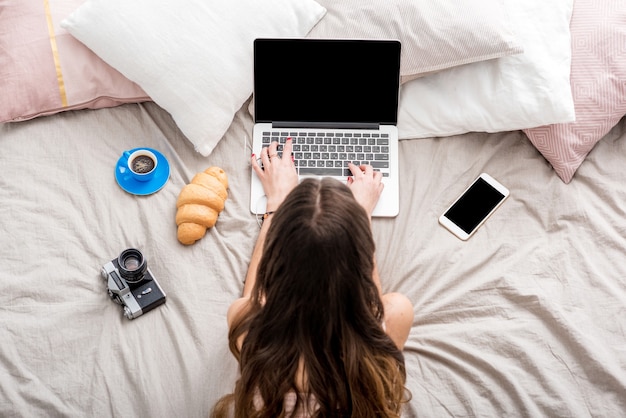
(142, 188)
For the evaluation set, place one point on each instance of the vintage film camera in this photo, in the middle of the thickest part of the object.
(131, 284)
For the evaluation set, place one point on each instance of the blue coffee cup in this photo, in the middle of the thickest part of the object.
(142, 164)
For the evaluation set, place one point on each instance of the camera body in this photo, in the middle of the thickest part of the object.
(131, 284)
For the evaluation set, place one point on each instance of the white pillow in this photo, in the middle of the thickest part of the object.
(193, 57)
(508, 93)
(435, 35)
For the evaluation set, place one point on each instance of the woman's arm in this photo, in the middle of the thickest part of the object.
(256, 257)
(366, 185)
(278, 177)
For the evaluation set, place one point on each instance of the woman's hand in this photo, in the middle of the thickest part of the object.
(366, 185)
(278, 174)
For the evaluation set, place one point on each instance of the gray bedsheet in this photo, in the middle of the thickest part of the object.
(527, 318)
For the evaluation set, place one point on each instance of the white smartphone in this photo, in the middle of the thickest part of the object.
(470, 210)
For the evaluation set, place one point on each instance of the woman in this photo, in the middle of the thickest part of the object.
(313, 333)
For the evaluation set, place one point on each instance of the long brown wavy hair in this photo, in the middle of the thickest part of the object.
(315, 303)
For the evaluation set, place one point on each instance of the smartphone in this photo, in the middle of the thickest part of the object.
(470, 210)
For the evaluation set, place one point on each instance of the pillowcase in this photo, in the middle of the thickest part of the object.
(598, 83)
(435, 34)
(44, 70)
(193, 57)
(508, 93)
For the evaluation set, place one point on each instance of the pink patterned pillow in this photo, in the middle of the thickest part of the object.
(44, 70)
(598, 81)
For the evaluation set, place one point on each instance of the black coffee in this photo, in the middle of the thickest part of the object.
(142, 164)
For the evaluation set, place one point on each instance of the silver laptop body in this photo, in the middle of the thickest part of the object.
(337, 99)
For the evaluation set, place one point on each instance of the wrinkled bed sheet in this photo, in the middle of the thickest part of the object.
(527, 318)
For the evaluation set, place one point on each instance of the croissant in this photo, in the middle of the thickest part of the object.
(199, 203)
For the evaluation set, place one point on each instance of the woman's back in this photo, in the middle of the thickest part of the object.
(312, 323)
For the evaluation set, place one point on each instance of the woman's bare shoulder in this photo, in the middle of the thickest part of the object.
(398, 317)
(236, 309)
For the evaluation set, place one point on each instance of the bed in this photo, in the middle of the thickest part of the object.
(526, 318)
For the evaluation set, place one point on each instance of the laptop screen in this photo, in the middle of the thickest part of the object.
(334, 81)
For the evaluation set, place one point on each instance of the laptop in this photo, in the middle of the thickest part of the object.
(338, 101)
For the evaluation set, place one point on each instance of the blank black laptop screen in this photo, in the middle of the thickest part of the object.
(351, 81)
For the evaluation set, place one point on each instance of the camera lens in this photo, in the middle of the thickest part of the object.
(132, 265)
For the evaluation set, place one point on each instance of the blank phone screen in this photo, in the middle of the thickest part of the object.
(475, 204)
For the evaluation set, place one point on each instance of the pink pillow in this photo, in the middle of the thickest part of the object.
(44, 70)
(598, 82)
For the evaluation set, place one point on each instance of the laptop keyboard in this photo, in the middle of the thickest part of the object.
(328, 153)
